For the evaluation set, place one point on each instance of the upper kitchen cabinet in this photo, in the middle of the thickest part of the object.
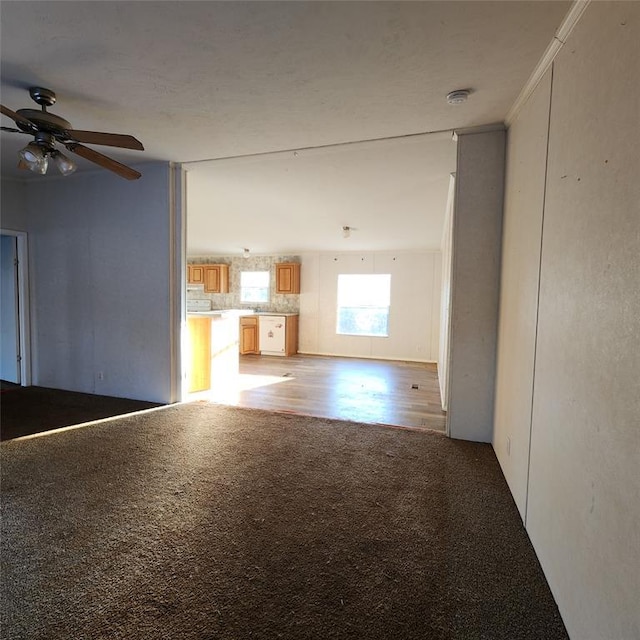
(195, 274)
(287, 277)
(216, 278)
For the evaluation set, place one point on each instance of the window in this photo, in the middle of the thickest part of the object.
(254, 286)
(363, 304)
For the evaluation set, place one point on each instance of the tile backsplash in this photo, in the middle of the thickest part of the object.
(281, 303)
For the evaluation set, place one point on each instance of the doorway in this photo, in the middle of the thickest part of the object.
(14, 309)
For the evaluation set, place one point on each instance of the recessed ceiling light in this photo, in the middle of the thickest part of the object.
(458, 96)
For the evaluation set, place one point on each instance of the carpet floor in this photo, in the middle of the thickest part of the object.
(200, 521)
(27, 410)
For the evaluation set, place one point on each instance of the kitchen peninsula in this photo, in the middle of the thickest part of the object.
(213, 349)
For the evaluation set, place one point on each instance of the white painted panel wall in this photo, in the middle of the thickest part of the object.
(445, 296)
(583, 512)
(475, 277)
(414, 314)
(583, 507)
(521, 241)
(436, 306)
(309, 320)
(101, 259)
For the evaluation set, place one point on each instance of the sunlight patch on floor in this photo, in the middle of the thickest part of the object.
(84, 425)
(228, 391)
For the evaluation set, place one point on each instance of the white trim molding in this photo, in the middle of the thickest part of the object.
(559, 39)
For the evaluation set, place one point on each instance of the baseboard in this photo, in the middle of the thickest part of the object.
(344, 355)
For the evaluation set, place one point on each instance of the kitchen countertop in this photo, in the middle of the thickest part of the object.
(208, 313)
(276, 313)
(240, 312)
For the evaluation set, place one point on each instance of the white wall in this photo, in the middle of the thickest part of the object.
(446, 247)
(521, 241)
(414, 312)
(101, 271)
(583, 503)
(475, 275)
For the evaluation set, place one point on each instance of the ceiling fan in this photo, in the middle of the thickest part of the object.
(48, 129)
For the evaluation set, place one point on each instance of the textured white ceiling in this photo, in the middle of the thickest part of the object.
(391, 193)
(203, 80)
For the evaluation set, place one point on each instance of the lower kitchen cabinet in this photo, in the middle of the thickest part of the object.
(212, 351)
(249, 335)
(291, 337)
(199, 367)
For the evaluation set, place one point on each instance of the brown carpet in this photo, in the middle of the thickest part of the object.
(201, 521)
(27, 410)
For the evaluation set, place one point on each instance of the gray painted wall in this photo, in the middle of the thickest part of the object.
(583, 503)
(13, 214)
(476, 237)
(101, 262)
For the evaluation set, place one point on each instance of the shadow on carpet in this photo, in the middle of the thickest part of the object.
(200, 521)
(28, 410)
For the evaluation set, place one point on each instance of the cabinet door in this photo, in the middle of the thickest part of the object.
(287, 277)
(249, 337)
(195, 274)
(216, 278)
(212, 279)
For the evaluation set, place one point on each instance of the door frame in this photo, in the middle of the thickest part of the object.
(24, 315)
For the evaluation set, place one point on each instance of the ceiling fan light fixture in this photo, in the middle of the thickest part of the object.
(35, 158)
(65, 165)
(49, 129)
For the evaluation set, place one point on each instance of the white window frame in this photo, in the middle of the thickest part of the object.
(367, 295)
(246, 289)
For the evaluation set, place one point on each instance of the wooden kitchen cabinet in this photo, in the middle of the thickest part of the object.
(291, 339)
(249, 335)
(195, 273)
(216, 278)
(199, 367)
(287, 277)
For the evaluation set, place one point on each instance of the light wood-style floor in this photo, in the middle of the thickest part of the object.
(373, 391)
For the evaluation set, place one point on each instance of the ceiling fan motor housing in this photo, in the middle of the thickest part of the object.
(44, 97)
(43, 120)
